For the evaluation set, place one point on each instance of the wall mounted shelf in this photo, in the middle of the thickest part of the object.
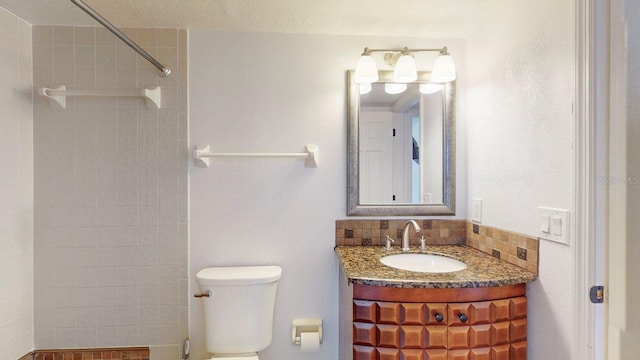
(202, 155)
(58, 96)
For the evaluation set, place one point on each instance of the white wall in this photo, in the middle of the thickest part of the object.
(272, 93)
(520, 95)
(110, 193)
(624, 247)
(16, 187)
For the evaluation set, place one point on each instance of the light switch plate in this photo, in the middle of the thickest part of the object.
(558, 229)
(476, 210)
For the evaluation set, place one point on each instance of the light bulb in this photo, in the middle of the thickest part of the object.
(365, 88)
(405, 70)
(366, 70)
(430, 88)
(444, 70)
(393, 88)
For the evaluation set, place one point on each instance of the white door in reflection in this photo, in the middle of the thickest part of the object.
(401, 150)
(376, 154)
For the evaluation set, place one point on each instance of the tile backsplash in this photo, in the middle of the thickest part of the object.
(374, 232)
(517, 249)
(133, 353)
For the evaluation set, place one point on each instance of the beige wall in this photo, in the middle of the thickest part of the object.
(16, 188)
(110, 193)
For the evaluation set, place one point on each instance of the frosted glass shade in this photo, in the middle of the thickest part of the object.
(393, 88)
(444, 70)
(405, 70)
(365, 88)
(430, 88)
(366, 70)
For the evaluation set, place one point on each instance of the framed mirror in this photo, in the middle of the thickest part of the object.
(401, 147)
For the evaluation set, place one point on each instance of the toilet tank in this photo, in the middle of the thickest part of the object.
(239, 312)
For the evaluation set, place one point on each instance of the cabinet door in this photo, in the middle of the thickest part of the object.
(365, 311)
(518, 350)
(435, 354)
(484, 330)
(436, 313)
(364, 353)
(364, 334)
(388, 354)
(501, 352)
(436, 337)
(462, 354)
(458, 337)
(469, 313)
(482, 354)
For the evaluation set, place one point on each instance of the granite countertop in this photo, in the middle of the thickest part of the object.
(362, 265)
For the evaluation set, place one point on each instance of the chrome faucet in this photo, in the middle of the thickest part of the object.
(405, 233)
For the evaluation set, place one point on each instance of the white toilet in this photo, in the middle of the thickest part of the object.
(239, 310)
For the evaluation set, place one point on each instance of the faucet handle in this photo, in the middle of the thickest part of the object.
(388, 244)
(423, 243)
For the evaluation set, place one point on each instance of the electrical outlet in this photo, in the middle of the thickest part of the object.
(476, 210)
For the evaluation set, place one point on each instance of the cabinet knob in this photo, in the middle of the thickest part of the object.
(462, 317)
(439, 317)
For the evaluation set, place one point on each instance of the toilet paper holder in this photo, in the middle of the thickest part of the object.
(299, 326)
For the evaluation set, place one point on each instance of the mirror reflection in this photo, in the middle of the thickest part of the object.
(401, 148)
(400, 145)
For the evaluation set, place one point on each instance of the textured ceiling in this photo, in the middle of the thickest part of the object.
(422, 18)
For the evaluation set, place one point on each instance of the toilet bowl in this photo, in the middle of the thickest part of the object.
(239, 309)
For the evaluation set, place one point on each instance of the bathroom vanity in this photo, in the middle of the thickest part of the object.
(387, 313)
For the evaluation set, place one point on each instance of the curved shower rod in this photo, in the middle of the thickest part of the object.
(164, 71)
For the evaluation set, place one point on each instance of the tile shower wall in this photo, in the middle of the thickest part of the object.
(110, 193)
(16, 188)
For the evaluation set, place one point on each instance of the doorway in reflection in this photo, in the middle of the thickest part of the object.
(401, 147)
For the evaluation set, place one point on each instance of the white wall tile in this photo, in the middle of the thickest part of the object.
(99, 188)
(86, 303)
(85, 36)
(17, 192)
(107, 336)
(65, 338)
(87, 277)
(63, 55)
(87, 337)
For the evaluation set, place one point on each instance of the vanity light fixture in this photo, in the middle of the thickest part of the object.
(405, 69)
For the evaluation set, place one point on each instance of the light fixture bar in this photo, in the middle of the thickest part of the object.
(367, 51)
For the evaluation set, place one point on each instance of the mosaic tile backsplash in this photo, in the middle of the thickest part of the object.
(374, 232)
(517, 249)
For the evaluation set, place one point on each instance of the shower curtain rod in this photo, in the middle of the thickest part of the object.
(164, 71)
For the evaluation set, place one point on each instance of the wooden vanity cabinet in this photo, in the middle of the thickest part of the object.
(439, 324)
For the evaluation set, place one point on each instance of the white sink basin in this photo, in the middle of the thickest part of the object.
(428, 263)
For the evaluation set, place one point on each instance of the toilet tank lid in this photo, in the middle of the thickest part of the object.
(239, 275)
